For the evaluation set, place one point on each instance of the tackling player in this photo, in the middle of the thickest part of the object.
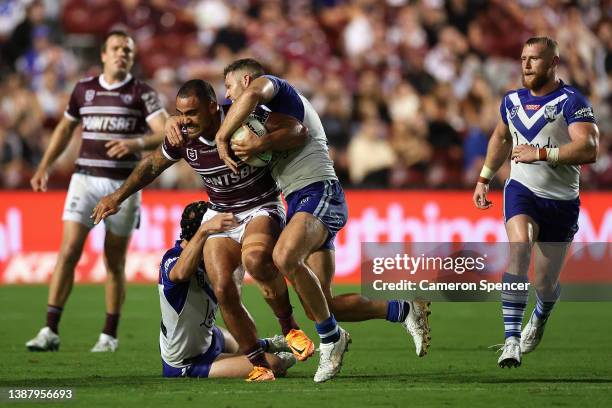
(190, 343)
(548, 128)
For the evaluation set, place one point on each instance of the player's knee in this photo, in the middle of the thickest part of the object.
(69, 256)
(258, 263)
(116, 271)
(285, 260)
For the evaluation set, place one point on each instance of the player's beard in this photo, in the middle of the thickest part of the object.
(536, 81)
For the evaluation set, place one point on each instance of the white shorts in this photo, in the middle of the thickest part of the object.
(85, 192)
(273, 209)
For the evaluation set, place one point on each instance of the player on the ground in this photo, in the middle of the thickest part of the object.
(251, 195)
(115, 111)
(548, 128)
(190, 343)
(316, 211)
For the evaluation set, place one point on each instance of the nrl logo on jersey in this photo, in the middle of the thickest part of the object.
(90, 94)
(127, 98)
(192, 154)
(550, 113)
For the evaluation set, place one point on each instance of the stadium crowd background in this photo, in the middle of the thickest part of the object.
(408, 91)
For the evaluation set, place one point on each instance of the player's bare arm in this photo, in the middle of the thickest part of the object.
(284, 133)
(147, 170)
(191, 256)
(498, 151)
(581, 150)
(121, 147)
(260, 91)
(59, 141)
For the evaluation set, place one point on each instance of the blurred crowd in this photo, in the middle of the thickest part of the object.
(408, 90)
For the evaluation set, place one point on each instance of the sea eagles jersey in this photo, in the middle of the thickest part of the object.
(110, 112)
(542, 121)
(227, 192)
(298, 168)
(188, 312)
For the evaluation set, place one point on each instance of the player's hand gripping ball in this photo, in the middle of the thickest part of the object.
(242, 134)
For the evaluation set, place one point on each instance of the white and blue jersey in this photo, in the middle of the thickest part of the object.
(188, 338)
(546, 193)
(297, 168)
(306, 175)
(543, 121)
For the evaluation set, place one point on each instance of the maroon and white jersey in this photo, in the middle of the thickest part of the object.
(109, 112)
(227, 192)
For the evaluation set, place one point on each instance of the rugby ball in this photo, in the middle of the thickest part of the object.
(262, 159)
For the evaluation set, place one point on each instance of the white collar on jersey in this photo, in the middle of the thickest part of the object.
(110, 87)
(207, 142)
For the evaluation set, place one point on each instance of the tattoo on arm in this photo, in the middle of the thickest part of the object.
(147, 170)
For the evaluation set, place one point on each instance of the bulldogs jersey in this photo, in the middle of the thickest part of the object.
(542, 121)
(227, 192)
(298, 168)
(188, 312)
(109, 112)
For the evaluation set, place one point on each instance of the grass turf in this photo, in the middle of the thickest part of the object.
(573, 365)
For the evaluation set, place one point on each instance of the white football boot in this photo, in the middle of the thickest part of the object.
(511, 353)
(532, 334)
(277, 344)
(288, 360)
(45, 340)
(105, 343)
(330, 357)
(417, 325)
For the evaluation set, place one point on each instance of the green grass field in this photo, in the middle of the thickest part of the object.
(573, 365)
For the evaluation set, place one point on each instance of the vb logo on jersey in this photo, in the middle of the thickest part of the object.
(192, 154)
(550, 113)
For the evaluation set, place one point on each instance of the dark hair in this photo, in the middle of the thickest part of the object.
(198, 88)
(192, 218)
(253, 67)
(118, 33)
(550, 44)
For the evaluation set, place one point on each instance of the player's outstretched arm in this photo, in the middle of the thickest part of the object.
(120, 147)
(498, 150)
(59, 141)
(284, 132)
(191, 256)
(260, 91)
(147, 170)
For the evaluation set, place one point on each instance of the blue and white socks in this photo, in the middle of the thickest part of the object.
(328, 330)
(397, 310)
(513, 305)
